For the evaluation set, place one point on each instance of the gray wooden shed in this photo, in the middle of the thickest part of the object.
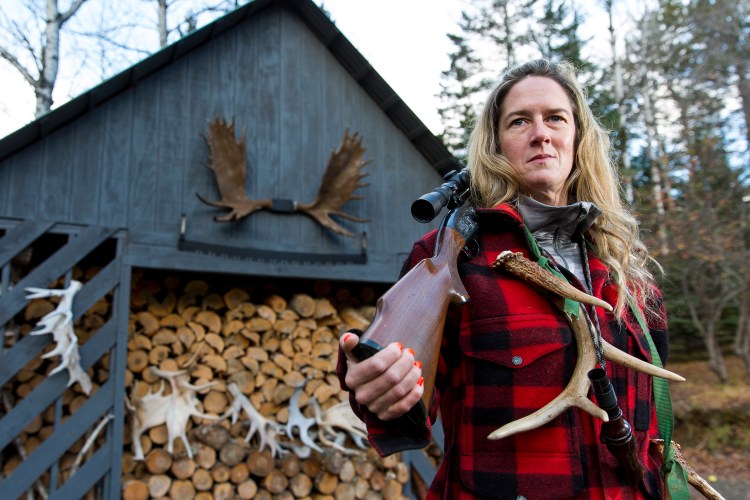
(116, 171)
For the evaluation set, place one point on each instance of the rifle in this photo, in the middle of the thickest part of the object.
(413, 311)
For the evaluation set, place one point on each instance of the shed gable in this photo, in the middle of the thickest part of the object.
(137, 160)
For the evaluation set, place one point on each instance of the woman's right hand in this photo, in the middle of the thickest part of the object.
(389, 383)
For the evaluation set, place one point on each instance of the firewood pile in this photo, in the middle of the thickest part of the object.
(245, 357)
(274, 355)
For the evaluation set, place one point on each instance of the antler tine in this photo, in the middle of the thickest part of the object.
(575, 393)
(342, 176)
(527, 270)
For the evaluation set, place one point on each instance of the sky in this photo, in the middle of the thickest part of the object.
(404, 40)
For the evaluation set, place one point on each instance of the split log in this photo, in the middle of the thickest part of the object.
(303, 304)
(247, 489)
(361, 487)
(215, 436)
(239, 473)
(137, 361)
(276, 302)
(392, 490)
(301, 485)
(291, 465)
(260, 463)
(275, 482)
(327, 483)
(257, 324)
(347, 472)
(208, 319)
(344, 491)
(202, 480)
(213, 301)
(233, 452)
(205, 455)
(377, 480)
(183, 468)
(234, 297)
(149, 322)
(182, 490)
(224, 491)
(158, 461)
(135, 489)
(158, 485)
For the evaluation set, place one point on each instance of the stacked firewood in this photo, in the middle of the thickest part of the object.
(262, 344)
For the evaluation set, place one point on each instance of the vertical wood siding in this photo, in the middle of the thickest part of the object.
(137, 160)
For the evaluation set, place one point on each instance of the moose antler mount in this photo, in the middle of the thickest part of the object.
(342, 176)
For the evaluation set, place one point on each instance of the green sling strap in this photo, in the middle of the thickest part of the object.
(675, 475)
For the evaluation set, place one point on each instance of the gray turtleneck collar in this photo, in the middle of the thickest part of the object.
(558, 230)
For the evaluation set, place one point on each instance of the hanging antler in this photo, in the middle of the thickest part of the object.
(229, 165)
(60, 324)
(341, 178)
(576, 392)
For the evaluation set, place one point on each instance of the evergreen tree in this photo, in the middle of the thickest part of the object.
(493, 29)
(457, 89)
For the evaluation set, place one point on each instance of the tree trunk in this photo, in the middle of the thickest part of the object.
(622, 110)
(743, 84)
(715, 357)
(654, 161)
(162, 14)
(741, 345)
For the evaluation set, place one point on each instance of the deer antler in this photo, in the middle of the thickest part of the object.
(342, 176)
(576, 392)
(229, 165)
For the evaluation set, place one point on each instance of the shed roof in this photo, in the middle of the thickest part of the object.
(313, 17)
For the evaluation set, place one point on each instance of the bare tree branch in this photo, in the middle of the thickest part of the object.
(71, 12)
(19, 67)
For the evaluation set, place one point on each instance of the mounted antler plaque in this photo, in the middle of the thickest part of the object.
(342, 176)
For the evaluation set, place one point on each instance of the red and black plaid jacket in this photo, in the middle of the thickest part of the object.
(505, 354)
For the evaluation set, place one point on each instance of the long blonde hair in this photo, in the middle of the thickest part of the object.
(593, 178)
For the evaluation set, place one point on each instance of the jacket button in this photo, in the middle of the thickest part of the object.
(517, 360)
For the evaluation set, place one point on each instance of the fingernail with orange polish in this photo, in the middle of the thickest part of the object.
(400, 346)
(420, 382)
(410, 351)
(418, 364)
(346, 337)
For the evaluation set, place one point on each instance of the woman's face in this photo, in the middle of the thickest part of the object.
(537, 135)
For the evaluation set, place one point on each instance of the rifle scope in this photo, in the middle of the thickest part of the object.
(453, 191)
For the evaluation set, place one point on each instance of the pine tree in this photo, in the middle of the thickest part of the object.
(492, 28)
(457, 89)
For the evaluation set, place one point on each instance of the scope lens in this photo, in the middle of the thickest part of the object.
(428, 206)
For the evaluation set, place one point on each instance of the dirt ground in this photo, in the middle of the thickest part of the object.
(712, 425)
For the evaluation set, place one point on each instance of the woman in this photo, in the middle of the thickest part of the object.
(543, 183)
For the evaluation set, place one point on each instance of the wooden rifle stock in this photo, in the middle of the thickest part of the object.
(413, 311)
